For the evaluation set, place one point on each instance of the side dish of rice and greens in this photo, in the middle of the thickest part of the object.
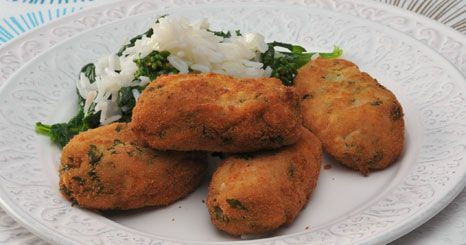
(109, 88)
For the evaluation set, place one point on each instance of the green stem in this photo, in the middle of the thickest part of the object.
(337, 52)
(43, 129)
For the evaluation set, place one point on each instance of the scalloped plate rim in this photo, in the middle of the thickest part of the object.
(454, 192)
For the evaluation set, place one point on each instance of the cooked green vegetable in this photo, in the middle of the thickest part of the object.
(89, 72)
(154, 65)
(285, 65)
(126, 102)
(61, 133)
(337, 52)
(151, 66)
(225, 34)
(133, 41)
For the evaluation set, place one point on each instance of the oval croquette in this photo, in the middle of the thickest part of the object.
(256, 193)
(359, 122)
(108, 168)
(214, 112)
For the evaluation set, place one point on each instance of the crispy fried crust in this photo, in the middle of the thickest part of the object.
(255, 193)
(359, 122)
(107, 168)
(215, 112)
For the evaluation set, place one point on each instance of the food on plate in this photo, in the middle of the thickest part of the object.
(213, 112)
(359, 121)
(255, 193)
(109, 168)
(109, 88)
(148, 113)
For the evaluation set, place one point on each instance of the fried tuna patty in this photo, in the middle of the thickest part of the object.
(359, 122)
(255, 193)
(108, 168)
(213, 112)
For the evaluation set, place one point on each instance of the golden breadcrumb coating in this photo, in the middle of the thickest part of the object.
(255, 193)
(109, 168)
(359, 122)
(213, 112)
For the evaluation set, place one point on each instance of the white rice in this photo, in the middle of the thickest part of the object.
(190, 46)
(136, 94)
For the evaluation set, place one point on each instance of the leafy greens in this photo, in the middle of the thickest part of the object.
(284, 64)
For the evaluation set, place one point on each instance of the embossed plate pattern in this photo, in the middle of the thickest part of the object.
(429, 174)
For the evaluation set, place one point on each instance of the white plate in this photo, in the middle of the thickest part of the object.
(346, 207)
